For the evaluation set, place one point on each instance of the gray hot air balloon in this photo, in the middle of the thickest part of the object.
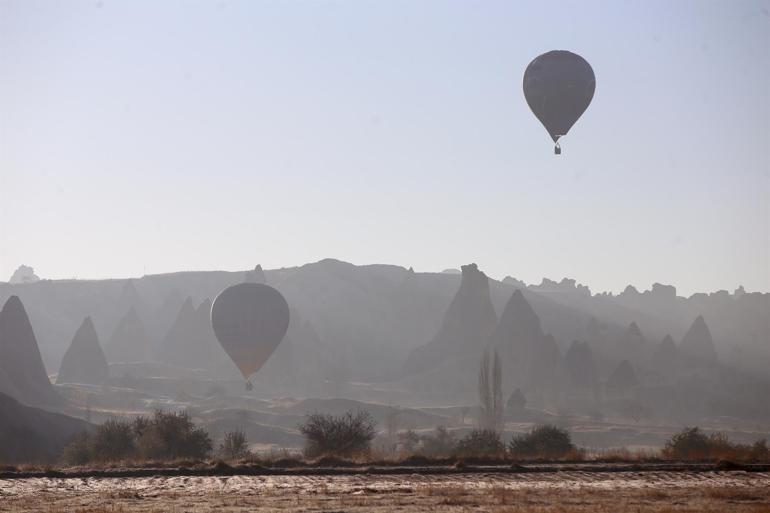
(559, 86)
(249, 320)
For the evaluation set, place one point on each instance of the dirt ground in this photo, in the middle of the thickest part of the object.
(491, 492)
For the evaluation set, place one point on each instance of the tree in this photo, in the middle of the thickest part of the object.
(543, 441)
(234, 445)
(516, 404)
(170, 435)
(490, 392)
(164, 436)
(408, 440)
(480, 443)
(392, 421)
(346, 435)
(689, 443)
(78, 451)
(440, 444)
(112, 441)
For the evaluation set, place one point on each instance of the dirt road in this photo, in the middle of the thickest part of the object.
(561, 492)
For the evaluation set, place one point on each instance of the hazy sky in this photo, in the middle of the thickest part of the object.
(153, 136)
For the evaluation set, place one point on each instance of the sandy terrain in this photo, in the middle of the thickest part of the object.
(490, 492)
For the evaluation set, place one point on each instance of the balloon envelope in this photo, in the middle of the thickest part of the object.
(559, 86)
(249, 320)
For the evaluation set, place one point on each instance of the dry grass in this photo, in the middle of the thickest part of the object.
(624, 455)
(568, 492)
(731, 494)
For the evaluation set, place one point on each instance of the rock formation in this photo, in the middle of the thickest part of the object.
(127, 299)
(666, 357)
(659, 299)
(514, 282)
(178, 335)
(129, 342)
(519, 330)
(24, 274)
(529, 356)
(130, 298)
(161, 320)
(466, 327)
(208, 347)
(190, 341)
(255, 276)
(698, 343)
(84, 361)
(579, 361)
(543, 374)
(22, 373)
(623, 378)
(632, 345)
(565, 286)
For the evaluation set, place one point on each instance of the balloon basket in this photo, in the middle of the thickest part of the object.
(557, 149)
(249, 387)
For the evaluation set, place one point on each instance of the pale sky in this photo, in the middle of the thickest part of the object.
(141, 137)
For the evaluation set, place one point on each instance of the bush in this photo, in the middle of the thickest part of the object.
(408, 441)
(234, 445)
(346, 435)
(78, 451)
(480, 443)
(165, 436)
(760, 451)
(112, 441)
(544, 441)
(694, 444)
(171, 436)
(690, 443)
(440, 444)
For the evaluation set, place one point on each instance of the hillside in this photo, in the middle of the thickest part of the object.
(32, 435)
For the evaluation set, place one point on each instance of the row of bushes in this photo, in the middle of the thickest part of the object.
(694, 444)
(163, 436)
(541, 442)
(351, 435)
(169, 436)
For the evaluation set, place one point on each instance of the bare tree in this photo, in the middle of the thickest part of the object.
(346, 435)
(463, 413)
(497, 392)
(392, 422)
(490, 392)
(485, 392)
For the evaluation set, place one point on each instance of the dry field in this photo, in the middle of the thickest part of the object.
(558, 492)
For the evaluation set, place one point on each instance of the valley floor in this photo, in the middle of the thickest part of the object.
(557, 492)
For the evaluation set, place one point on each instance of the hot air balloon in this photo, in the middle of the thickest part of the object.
(249, 320)
(559, 86)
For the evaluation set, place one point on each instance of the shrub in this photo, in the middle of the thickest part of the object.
(480, 443)
(234, 445)
(78, 451)
(440, 444)
(694, 444)
(140, 425)
(171, 436)
(760, 451)
(112, 441)
(544, 441)
(164, 436)
(346, 435)
(408, 441)
(690, 443)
